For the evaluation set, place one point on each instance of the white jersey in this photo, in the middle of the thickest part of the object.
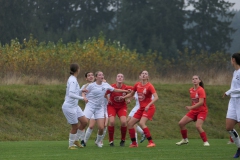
(72, 92)
(95, 93)
(235, 85)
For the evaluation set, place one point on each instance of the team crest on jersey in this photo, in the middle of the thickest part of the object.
(118, 99)
(144, 91)
(237, 77)
(141, 96)
(103, 89)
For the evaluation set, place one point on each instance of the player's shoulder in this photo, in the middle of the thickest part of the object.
(72, 79)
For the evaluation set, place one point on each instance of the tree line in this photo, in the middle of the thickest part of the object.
(164, 26)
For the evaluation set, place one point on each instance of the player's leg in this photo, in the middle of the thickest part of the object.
(232, 119)
(111, 117)
(105, 125)
(132, 131)
(100, 123)
(89, 129)
(122, 114)
(200, 120)
(182, 124)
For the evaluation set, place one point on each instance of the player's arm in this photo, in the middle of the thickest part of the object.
(200, 103)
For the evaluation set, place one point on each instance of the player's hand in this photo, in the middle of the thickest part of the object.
(85, 100)
(84, 90)
(146, 108)
(224, 95)
(188, 108)
(128, 101)
(121, 97)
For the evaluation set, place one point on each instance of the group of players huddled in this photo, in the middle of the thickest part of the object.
(104, 101)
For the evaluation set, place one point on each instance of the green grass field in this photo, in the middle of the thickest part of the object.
(165, 149)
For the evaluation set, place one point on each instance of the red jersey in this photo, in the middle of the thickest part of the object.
(195, 95)
(115, 96)
(144, 93)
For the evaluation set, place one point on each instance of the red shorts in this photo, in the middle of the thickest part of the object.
(117, 111)
(197, 115)
(142, 113)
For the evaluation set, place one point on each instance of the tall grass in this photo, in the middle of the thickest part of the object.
(33, 112)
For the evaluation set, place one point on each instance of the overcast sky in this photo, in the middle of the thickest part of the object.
(237, 4)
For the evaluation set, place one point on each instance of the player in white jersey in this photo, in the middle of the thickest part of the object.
(95, 97)
(90, 78)
(71, 110)
(233, 113)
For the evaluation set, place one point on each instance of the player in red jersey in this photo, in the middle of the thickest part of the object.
(197, 111)
(145, 91)
(117, 106)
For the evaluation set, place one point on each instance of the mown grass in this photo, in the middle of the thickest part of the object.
(33, 112)
(165, 149)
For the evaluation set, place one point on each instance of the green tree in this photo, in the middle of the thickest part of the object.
(208, 25)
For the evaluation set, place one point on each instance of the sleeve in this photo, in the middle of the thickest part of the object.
(152, 89)
(109, 87)
(72, 91)
(234, 91)
(89, 87)
(135, 87)
(201, 93)
(129, 87)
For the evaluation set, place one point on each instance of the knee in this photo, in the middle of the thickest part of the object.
(181, 124)
(142, 124)
(123, 123)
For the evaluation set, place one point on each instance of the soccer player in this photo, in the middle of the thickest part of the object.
(70, 108)
(132, 112)
(93, 121)
(233, 112)
(117, 106)
(145, 91)
(95, 97)
(197, 111)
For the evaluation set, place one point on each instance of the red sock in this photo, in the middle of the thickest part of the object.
(147, 134)
(110, 133)
(231, 139)
(132, 136)
(203, 136)
(184, 134)
(123, 132)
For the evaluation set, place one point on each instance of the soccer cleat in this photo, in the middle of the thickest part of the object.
(143, 138)
(206, 144)
(99, 144)
(78, 144)
(83, 143)
(150, 144)
(72, 147)
(183, 141)
(122, 143)
(133, 145)
(237, 154)
(229, 142)
(111, 144)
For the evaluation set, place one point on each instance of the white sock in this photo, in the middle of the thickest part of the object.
(104, 132)
(82, 134)
(235, 137)
(99, 138)
(78, 135)
(88, 134)
(136, 136)
(139, 129)
(72, 138)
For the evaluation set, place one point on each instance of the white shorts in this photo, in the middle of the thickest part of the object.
(91, 109)
(105, 115)
(72, 114)
(133, 111)
(234, 109)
